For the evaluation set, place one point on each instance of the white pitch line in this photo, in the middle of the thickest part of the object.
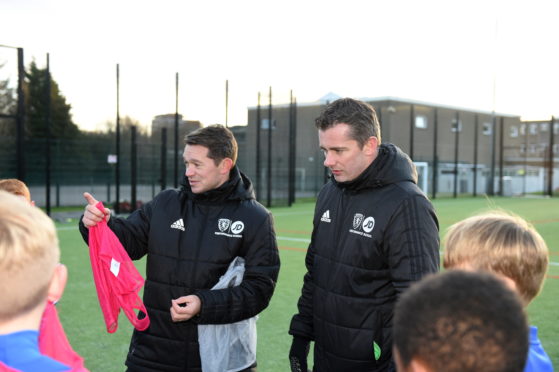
(303, 240)
(293, 239)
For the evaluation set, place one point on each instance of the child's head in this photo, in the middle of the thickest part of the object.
(460, 321)
(16, 187)
(501, 243)
(29, 255)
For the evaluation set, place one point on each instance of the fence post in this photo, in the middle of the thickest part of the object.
(435, 154)
(133, 169)
(163, 158)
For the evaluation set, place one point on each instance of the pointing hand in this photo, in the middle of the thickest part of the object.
(92, 215)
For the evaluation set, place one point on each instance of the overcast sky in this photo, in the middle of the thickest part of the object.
(489, 54)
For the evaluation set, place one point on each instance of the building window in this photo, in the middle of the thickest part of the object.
(533, 173)
(534, 129)
(543, 127)
(532, 149)
(456, 126)
(421, 121)
(514, 131)
(523, 129)
(556, 128)
(487, 128)
(266, 124)
(522, 148)
(556, 148)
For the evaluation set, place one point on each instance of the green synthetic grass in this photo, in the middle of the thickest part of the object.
(83, 321)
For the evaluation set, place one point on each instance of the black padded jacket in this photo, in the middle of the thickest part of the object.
(372, 238)
(189, 240)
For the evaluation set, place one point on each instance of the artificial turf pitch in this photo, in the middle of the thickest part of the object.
(83, 321)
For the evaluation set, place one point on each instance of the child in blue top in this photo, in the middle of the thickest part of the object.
(29, 277)
(510, 247)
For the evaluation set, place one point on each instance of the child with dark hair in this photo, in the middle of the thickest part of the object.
(460, 321)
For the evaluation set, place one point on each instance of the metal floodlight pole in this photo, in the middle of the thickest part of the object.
(258, 170)
(133, 168)
(292, 149)
(226, 102)
(476, 140)
(290, 153)
(176, 162)
(551, 144)
(20, 118)
(20, 114)
(163, 158)
(501, 153)
(48, 132)
(491, 186)
(526, 143)
(412, 130)
(325, 168)
(435, 154)
(269, 173)
(456, 145)
(379, 117)
(117, 165)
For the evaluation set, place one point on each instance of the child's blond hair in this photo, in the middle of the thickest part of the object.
(16, 187)
(501, 243)
(29, 253)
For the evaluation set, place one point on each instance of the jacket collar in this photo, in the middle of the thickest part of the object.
(238, 187)
(390, 166)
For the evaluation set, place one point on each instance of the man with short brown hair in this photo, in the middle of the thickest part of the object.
(190, 237)
(374, 234)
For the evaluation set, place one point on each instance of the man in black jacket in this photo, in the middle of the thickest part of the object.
(190, 236)
(374, 234)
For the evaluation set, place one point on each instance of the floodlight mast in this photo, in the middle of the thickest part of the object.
(20, 114)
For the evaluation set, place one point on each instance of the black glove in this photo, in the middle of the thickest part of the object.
(298, 354)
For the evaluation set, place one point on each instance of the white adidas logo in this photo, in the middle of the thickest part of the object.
(326, 217)
(178, 224)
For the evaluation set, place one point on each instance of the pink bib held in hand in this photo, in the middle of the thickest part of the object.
(116, 278)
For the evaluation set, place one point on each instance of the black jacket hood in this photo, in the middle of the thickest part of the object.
(390, 166)
(238, 187)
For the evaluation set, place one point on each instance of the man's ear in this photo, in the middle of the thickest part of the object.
(57, 283)
(226, 165)
(417, 365)
(371, 146)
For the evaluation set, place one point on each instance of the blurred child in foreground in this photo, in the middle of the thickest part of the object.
(30, 275)
(511, 248)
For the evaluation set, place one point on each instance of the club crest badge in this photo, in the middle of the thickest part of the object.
(227, 227)
(223, 224)
(357, 219)
(363, 225)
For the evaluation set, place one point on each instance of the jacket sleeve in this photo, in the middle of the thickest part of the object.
(254, 293)
(132, 232)
(412, 242)
(302, 322)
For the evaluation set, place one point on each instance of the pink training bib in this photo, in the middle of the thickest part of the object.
(116, 278)
(54, 343)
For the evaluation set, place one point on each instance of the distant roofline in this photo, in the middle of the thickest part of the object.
(396, 99)
(431, 104)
